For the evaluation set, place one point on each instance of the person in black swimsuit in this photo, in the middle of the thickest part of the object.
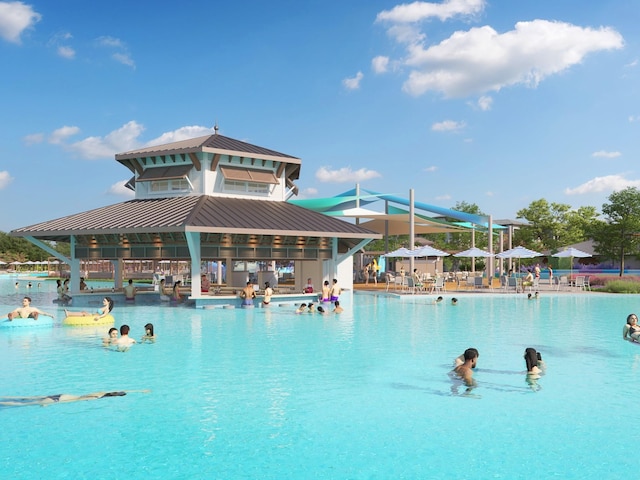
(631, 329)
(59, 398)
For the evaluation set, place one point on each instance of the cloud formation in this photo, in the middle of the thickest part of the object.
(5, 179)
(353, 83)
(380, 64)
(15, 18)
(448, 126)
(61, 134)
(123, 139)
(609, 183)
(604, 154)
(345, 174)
(482, 60)
(418, 11)
(122, 54)
(120, 190)
(182, 133)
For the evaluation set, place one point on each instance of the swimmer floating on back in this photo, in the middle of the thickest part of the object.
(60, 398)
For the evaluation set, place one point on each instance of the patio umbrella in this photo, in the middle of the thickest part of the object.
(474, 252)
(400, 252)
(518, 252)
(571, 252)
(427, 251)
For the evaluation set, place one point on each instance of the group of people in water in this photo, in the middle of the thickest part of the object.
(311, 308)
(124, 341)
(467, 362)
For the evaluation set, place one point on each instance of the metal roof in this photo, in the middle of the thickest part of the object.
(197, 213)
(209, 143)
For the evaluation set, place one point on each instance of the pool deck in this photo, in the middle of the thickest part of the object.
(453, 288)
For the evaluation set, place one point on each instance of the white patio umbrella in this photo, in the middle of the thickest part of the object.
(474, 252)
(518, 252)
(427, 251)
(2, 263)
(400, 252)
(571, 252)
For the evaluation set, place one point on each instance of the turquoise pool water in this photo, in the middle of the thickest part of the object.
(268, 394)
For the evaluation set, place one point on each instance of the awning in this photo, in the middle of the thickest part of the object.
(249, 175)
(164, 173)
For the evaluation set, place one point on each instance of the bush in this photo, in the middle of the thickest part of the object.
(621, 286)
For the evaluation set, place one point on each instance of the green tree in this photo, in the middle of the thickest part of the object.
(618, 234)
(553, 225)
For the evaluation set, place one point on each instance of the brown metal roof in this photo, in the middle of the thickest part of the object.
(209, 143)
(198, 213)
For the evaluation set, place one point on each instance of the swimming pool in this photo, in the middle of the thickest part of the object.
(265, 393)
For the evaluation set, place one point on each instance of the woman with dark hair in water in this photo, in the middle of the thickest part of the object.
(107, 306)
(535, 367)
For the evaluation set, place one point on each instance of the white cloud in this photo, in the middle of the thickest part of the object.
(602, 184)
(485, 102)
(432, 168)
(61, 134)
(121, 140)
(380, 64)
(120, 190)
(418, 11)
(124, 58)
(122, 55)
(447, 126)
(33, 138)
(307, 193)
(481, 60)
(182, 133)
(604, 154)
(107, 41)
(354, 82)
(15, 18)
(66, 52)
(5, 179)
(443, 197)
(345, 174)
(489, 194)
(633, 63)
(634, 118)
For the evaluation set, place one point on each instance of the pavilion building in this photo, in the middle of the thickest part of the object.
(209, 198)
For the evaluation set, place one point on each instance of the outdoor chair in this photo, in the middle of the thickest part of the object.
(438, 285)
(512, 282)
(409, 285)
(390, 279)
(580, 282)
(587, 283)
(562, 282)
(398, 281)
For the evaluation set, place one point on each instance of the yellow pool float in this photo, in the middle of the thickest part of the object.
(87, 320)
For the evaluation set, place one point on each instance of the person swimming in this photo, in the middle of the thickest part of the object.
(60, 398)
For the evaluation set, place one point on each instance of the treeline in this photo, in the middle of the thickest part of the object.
(18, 249)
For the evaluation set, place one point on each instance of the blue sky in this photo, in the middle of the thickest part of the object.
(497, 103)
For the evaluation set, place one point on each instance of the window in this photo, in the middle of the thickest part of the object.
(173, 185)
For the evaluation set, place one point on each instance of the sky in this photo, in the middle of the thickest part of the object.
(497, 103)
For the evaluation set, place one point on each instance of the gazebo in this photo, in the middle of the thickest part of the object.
(207, 198)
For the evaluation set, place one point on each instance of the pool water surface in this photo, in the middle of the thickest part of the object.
(265, 393)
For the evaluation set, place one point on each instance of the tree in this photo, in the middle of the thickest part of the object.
(554, 225)
(619, 234)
